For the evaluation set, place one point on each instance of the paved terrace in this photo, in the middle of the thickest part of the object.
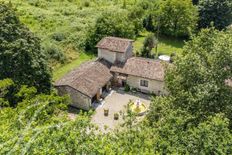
(116, 102)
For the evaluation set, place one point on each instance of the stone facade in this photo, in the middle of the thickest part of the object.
(107, 55)
(154, 86)
(79, 100)
(113, 57)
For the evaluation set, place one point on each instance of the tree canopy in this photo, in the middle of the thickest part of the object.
(197, 80)
(216, 12)
(111, 23)
(21, 57)
(177, 18)
(149, 43)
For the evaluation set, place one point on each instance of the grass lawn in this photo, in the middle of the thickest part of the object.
(166, 45)
(64, 69)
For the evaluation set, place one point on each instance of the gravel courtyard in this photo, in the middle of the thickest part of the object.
(116, 102)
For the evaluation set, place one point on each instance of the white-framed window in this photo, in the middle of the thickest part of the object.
(144, 83)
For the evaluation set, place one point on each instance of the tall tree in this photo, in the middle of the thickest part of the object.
(218, 12)
(148, 23)
(110, 23)
(178, 18)
(149, 43)
(21, 57)
(136, 15)
(197, 80)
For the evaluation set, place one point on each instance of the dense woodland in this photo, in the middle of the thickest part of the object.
(39, 36)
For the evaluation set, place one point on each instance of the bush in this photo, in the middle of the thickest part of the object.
(58, 36)
(38, 3)
(55, 53)
(172, 57)
(127, 88)
(149, 43)
(116, 116)
(86, 3)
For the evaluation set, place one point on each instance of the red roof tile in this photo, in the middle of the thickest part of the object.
(114, 44)
(142, 67)
(88, 78)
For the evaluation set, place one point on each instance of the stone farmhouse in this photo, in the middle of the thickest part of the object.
(115, 67)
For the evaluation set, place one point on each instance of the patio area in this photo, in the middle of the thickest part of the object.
(116, 102)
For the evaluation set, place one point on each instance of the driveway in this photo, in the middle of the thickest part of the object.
(115, 102)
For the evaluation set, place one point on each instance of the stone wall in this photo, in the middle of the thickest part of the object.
(121, 57)
(156, 87)
(112, 56)
(79, 100)
(107, 55)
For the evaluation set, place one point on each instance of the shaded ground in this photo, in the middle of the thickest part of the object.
(115, 102)
(167, 45)
(73, 112)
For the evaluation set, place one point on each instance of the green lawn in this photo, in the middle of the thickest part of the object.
(61, 71)
(166, 45)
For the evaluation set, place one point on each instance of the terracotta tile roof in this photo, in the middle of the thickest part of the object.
(88, 77)
(114, 44)
(141, 67)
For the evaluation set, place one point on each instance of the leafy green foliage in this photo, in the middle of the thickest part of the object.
(149, 43)
(177, 18)
(21, 56)
(148, 23)
(6, 87)
(54, 53)
(196, 117)
(198, 79)
(216, 12)
(177, 132)
(113, 23)
(195, 2)
(136, 15)
(210, 137)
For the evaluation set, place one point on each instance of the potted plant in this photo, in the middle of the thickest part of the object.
(116, 116)
(106, 112)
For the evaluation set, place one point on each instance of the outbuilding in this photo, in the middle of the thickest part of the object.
(86, 83)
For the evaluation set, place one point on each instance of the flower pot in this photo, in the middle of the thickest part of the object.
(106, 112)
(116, 116)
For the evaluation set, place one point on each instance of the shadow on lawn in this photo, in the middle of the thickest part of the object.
(172, 41)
